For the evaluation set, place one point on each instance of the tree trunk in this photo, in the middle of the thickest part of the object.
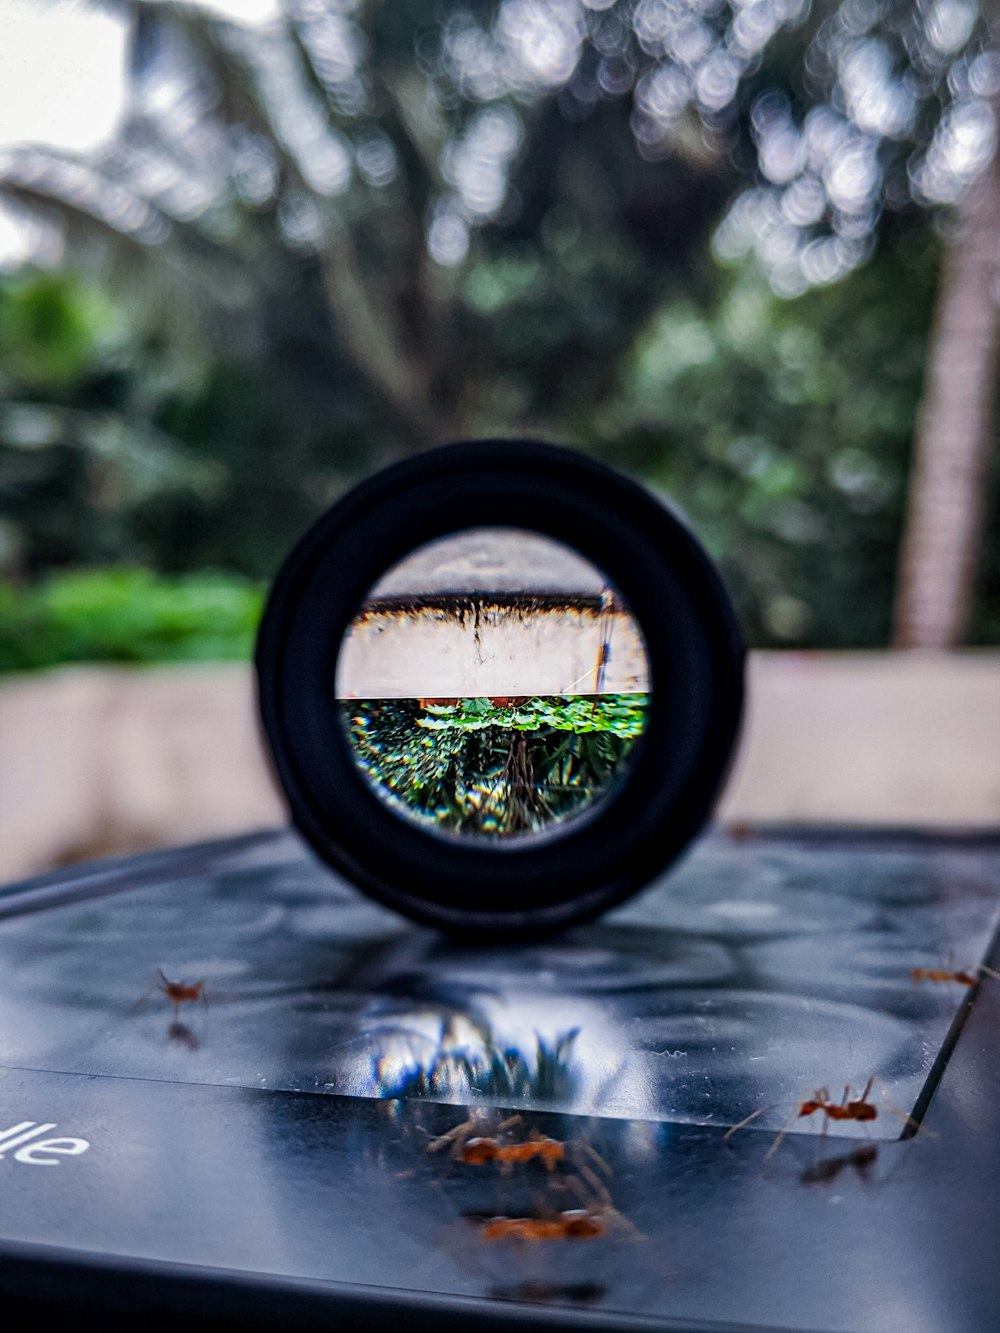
(955, 434)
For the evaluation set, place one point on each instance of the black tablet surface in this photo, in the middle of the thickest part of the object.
(234, 1091)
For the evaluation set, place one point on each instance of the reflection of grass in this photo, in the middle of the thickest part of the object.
(491, 766)
(542, 1076)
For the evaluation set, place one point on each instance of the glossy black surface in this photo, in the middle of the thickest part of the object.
(761, 971)
(770, 966)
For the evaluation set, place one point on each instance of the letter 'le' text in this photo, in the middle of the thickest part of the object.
(23, 1143)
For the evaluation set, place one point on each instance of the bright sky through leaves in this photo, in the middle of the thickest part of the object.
(62, 82)
(62, 70)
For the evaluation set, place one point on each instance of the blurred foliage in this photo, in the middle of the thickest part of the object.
(127, 615)
(52, 331)
(783, 428)
(330, 240)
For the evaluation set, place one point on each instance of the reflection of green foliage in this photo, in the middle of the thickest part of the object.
(490, 1071)
(619, 714)
(127, 615)
(476, 766)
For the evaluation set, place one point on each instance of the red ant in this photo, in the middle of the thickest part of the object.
(478, 1150)
(177, 992)
(475, 1152)
(963, 977)
(575, 1224)
(582, 1167)
(459, 1136)
(860, 1109)
(481, 1149)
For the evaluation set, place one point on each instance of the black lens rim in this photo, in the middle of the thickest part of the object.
(696, 662)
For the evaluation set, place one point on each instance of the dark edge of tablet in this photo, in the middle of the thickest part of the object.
(114, 1293)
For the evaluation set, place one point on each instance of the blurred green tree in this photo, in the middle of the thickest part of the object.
(80, 447)
(785, 426)
(956, 433)
(388, 224)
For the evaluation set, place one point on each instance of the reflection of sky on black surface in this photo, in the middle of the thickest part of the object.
(759, 971)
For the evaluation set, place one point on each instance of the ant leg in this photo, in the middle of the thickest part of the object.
(454, 1136)
(134, 1009)
(588, 1150)
(575, 1186)
(780, 1135)
(822, 1135)
(988, 972)
(601, 1208)
(751, 1117)
(600, 1191)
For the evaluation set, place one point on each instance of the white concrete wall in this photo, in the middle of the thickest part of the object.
(429, 654)
(100, 760)
(97, 760)
(870, 738)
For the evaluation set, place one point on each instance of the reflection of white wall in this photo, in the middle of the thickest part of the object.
(433, 654)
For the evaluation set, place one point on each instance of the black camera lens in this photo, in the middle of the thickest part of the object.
(501, 685)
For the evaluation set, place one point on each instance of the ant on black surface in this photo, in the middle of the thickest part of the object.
(574, 1224)
(570, 1168)
(970, 976)
(476, 1151)
(848, 1108)
(177, 992)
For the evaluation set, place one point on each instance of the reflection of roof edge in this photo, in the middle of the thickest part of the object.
(461, 603)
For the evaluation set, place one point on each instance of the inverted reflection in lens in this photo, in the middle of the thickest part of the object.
(493, 683)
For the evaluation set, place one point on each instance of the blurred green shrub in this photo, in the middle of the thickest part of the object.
(54, 330)
(127, 615)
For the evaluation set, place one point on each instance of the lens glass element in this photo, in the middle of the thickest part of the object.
(493, 684)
